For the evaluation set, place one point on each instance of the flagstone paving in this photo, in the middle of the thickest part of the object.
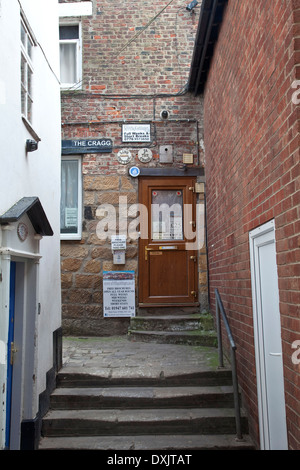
(116, 356)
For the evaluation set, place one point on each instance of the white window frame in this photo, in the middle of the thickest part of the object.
(27, 60)
(77, 85)
(78, 234)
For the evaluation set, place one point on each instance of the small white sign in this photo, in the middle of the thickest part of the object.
(118, 242)
(119, 257)
(136, 133)
(71, 217)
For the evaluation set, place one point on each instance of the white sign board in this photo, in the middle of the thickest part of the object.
(136, 133)
(118, 242)
(118, 293)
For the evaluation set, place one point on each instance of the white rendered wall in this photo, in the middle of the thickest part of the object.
(36, 173)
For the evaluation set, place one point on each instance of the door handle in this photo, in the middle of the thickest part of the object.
(146, 252)
(275, 354)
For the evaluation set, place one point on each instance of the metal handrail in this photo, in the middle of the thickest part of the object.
(220, 309)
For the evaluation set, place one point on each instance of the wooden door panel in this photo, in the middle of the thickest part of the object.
(169, 274)
(167, 269)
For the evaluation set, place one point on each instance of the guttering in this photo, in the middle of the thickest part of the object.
(207, 38)
(207, 34)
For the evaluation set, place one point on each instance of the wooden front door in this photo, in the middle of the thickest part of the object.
(167, 254)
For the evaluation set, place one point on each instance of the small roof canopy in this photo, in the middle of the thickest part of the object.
(34, 209)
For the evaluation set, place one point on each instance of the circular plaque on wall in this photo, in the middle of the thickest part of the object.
(145, 155)
(22, 231)
(134, 171)
(124, 156)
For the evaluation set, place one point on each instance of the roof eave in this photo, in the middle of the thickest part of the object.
(211, 17)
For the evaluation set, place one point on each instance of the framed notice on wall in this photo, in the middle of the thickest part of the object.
(136, 133)
(118, 293)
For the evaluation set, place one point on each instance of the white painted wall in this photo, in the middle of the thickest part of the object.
(36, 173)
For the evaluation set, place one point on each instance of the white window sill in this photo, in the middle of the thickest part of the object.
(65, 237)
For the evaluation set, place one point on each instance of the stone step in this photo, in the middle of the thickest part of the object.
(168, 310)
(145, 407)
(141, 397)
(148, 443)
(72, 378)
(172, 323)
(192, 338)
(125, 422)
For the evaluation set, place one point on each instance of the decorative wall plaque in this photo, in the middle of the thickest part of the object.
(145, 155)
(124, 156)
(22, 231)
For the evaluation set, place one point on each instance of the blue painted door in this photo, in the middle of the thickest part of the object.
(10, 341)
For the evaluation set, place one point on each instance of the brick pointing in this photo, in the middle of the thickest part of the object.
(252, 167)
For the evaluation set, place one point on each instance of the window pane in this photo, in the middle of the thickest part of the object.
(23, 70)
(69, 196)
(69, 32)
(23, 100)
(29, 109)
(68, 63)
(26, 72)
(29, 80)
(29, 47)
(23, 35)
(167, 215)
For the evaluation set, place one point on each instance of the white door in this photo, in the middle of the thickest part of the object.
(267, 335)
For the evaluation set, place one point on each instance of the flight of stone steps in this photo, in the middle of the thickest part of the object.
(184, 412)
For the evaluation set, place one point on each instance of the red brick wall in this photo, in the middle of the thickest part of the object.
(252, 167)
(136, 58)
